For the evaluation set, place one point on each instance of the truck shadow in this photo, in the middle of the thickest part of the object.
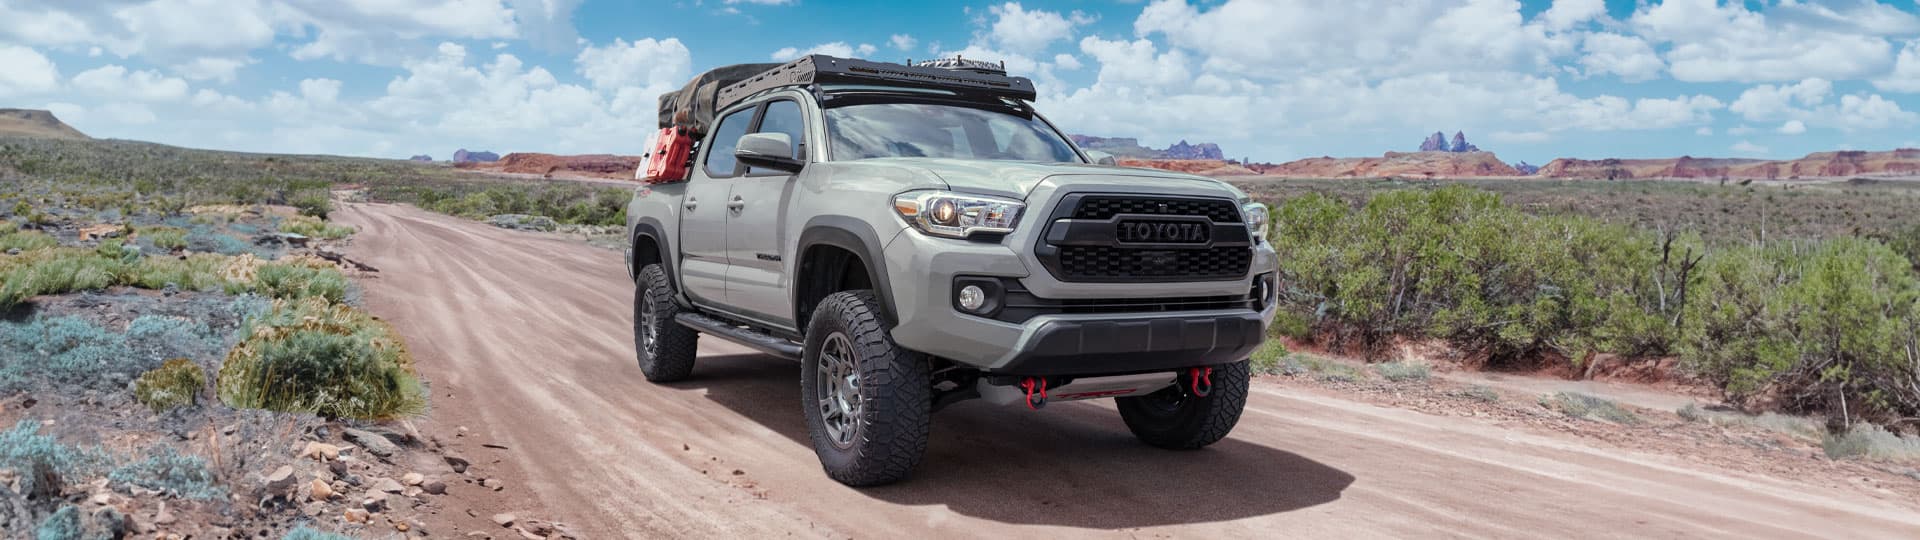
(1072, 465)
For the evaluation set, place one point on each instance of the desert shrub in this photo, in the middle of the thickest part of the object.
(164, 237)
(1266, 359)
(196, 272)
(1478, 392)
(312, 203)
(314, 228)
(1321, 368)
(177, 383)
(1403, 371)
(1457, 264)
(166, 470)
(304, 533)
(294, 280)
(43, 464)
(24, 240)
(72, 350)
(1869, 441)
(208, 241)
(1794, 425)
(1580, 405)
(57, 270)
(1812, 327)
(62, 524)
(328, 359)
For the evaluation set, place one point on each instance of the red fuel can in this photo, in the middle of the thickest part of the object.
(668, 153)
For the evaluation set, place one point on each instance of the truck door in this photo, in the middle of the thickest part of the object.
(703, 217)
(756, 234)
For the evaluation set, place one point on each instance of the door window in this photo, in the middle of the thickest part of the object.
(784, 117)
(720, 160)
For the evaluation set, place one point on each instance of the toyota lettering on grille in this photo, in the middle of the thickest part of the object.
(1163, 232)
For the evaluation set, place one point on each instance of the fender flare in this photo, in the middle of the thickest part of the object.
(854, 236)
(649, 227)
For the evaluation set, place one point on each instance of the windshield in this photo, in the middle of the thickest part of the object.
(880, 130)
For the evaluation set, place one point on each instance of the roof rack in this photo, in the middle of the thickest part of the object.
(823, 69)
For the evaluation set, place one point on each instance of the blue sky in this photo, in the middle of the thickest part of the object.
(1272, 80)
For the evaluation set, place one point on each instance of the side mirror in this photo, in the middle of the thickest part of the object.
(1102, 158)
(769, 151)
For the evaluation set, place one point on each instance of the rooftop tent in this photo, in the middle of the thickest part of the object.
(693, 106)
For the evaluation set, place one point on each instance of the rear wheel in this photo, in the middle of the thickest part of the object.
(1176, 419)
(868, 402)
(665, 348)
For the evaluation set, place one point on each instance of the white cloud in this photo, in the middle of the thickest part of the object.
(113, 81)
(128, 113)
(1521, 137)
(1066, 61)
(1748, 148)
(1629, 57)
(24, 71)
(645, 62)
(837, 48)
(1714, 41)
(1808, 102)
(902, 41)
(210, 99)
(1024, 31)
(1565, 14)
(212, 68)
(320, 90)
(1792, 127)
(1704, 131)
(1905, 76)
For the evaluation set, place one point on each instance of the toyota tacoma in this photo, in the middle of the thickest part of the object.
(916, 235)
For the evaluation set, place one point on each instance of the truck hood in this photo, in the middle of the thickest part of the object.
(1017, 179)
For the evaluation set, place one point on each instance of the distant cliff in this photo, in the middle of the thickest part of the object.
(36, 123)
(1130, 148)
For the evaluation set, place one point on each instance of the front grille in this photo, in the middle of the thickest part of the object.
(1104, 207)
(1084, 245)
(1103, 263)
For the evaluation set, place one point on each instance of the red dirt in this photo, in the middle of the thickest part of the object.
(1904, 161)
(550, 166)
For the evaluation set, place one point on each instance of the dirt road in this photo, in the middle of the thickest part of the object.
(527, 342)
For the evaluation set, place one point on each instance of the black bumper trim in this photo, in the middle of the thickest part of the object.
(1111, 347)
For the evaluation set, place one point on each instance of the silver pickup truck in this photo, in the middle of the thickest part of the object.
(917, 235)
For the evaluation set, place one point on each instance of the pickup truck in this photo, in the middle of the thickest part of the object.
(918, 235)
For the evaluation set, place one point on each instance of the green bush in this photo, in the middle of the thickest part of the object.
(24, 240)
(63, 270)
(1266, 359)
(44, 465)
(293, 280)
(63, 524)
(177, 383)
(166, 470)
(1872, 442)
(164, 237)
(305, 533)
(328, 359)
(312, 204)
(1403, 371)
(1580, 405)
(1813, 327)
(314, 228)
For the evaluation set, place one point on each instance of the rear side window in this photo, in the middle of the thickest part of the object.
(720, 160)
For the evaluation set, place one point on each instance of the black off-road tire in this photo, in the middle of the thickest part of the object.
(890, 429)
(669, 357)
(1175, 420)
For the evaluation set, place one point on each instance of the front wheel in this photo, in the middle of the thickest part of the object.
(868, 402)
(665, 348)
(1176, 419)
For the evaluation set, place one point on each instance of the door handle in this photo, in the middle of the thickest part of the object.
(690, 204)
(737, 203)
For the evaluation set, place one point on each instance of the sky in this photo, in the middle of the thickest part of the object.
(1267, 80)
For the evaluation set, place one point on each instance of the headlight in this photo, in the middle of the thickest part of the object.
(1256, 216)
(956, 215)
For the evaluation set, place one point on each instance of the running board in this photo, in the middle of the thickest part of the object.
(745, 336)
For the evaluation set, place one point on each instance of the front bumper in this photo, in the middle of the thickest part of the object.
(1158, 342)
(1076, 344)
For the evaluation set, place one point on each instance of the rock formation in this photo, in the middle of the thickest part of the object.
(36, 123)
(463, 156)
(1128, 147)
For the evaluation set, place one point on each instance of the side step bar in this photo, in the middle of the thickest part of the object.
(744, 336)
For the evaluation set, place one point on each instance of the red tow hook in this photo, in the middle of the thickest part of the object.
(1201, 381)
(1035, 402)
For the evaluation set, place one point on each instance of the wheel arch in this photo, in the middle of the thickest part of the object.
(828, 250)
(649, 244)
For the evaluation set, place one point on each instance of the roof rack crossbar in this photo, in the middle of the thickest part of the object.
(823, 69)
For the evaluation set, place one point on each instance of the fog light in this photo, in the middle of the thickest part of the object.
(972, 298)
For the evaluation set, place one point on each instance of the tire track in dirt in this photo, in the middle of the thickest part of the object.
(527, 340)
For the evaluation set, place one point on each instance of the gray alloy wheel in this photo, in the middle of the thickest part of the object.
(837, 389)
